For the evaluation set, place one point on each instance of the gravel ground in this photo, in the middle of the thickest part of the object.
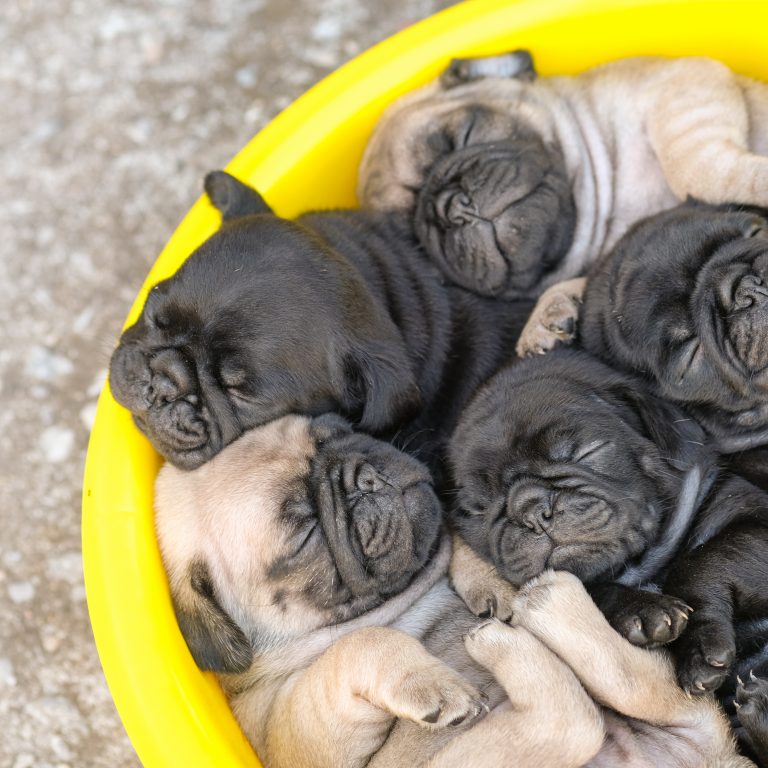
(113, 112)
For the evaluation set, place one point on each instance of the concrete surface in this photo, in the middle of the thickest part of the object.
(111, 113)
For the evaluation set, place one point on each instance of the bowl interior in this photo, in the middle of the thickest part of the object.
(306, 159)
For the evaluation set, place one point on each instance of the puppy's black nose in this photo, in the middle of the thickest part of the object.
(455, 207)
(368, 480)
(538, 517)
(751, 290)
(172, 377)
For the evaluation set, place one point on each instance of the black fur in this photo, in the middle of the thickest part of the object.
(683, 300)
(538, 488)
(336, 311)
(561, 462)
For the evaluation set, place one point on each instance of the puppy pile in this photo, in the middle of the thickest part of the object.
(396, 543)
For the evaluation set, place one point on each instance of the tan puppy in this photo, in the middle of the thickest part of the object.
(308, 568)
(519, 183)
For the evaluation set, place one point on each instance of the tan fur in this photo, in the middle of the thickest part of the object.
(638, 135)
(478, 583)
(382, 690)
(547, 323)
(681, 731)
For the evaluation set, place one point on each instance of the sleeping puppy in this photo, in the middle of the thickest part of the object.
(336, 311)
(307, 567)
(683, 300)
(518, 182)
(561, 462)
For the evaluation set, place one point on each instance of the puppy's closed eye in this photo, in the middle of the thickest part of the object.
(591, 450)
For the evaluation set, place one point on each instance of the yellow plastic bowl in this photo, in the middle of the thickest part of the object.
(307, 158)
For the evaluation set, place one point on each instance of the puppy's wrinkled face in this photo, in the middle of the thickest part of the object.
(265, 318)
(299, 524)
(684, 298)
(493, 204)
(497, 216)
(554, 468)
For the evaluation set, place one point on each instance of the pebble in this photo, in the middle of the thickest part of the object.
(7, 676)
(21, 591)
(56, 443)
(66, 567)
(47, 365)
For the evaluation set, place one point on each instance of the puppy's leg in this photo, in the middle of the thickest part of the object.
(553, 319)
(478, 583)
(635, 682)
(699, 128)
(340, 710)
(647, 619)
(549, 721)
(723, 578)
(752, 705)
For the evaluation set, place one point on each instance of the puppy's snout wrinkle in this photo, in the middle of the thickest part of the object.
(368, 480)
(750, 291)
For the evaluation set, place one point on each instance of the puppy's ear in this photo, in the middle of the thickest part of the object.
(517, 64)
(214, 640)
(382, 385)
(233, 198)
(679, 438)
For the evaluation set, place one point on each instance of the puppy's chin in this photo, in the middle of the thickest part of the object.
(496, 218)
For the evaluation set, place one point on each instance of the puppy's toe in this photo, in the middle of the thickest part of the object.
(560, 316)
(705, 654)
(657, 621)
(437, 697)
(549, 593)
(501, 648)
(536, 340)
(751, 703)
(491, 598)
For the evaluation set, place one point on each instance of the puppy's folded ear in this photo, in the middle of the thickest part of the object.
(233, 198)
(214, 640)
(383, 384)
(678, 436)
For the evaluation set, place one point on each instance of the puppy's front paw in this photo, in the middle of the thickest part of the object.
(751, 703)
(553, 594)
(705, 653)
(552, 322)
(435, 697)
(490, 596)
(651, 619)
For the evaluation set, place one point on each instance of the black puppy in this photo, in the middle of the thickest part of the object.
(336, 311)
(683, 299)
(561, 462)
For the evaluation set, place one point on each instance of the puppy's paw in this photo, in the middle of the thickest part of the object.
(502, 649)
(651, 619)
(552, 322)
(489, 597)
(435, 696)
(551, 594)
(705, 653)
(751, 703)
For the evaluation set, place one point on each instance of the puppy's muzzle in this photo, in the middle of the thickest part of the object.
(748, 321)
(161, 393)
